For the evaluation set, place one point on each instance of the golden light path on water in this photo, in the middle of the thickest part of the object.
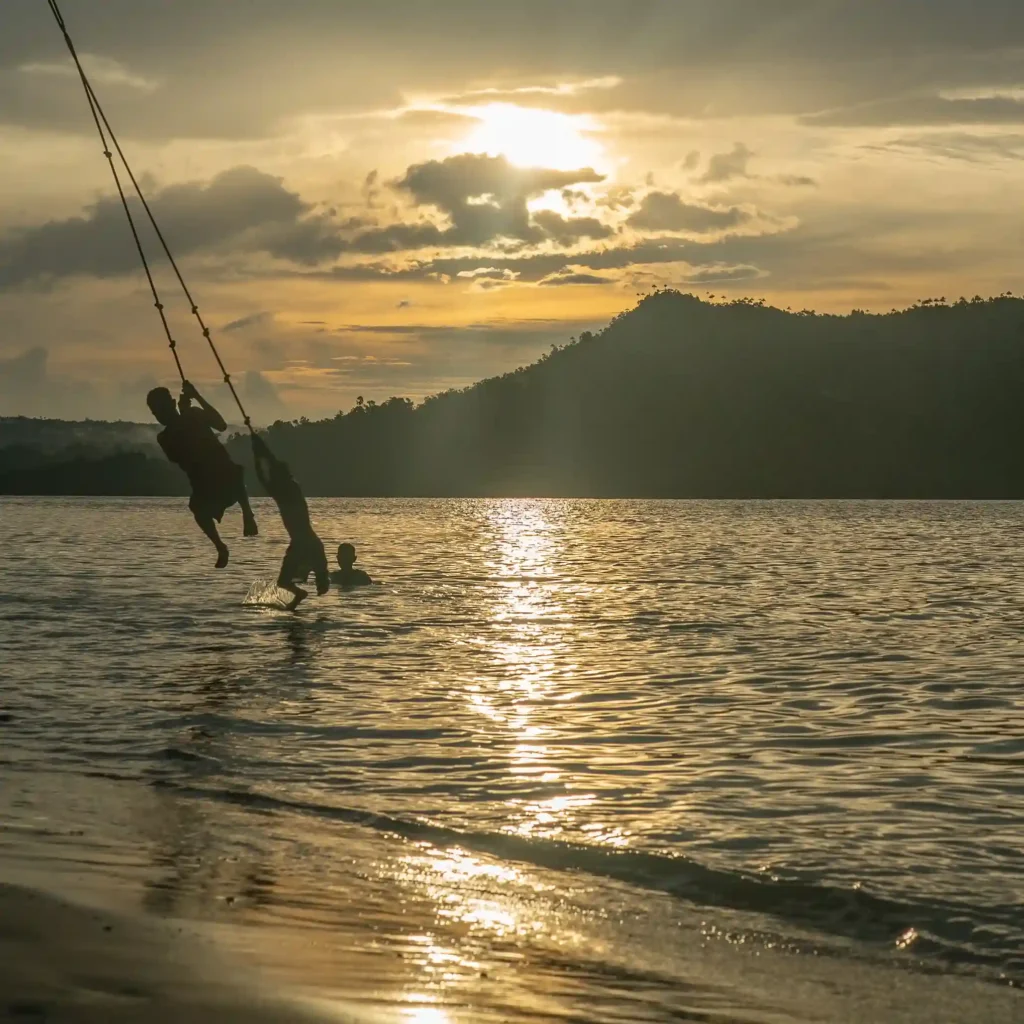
(531, 651)
(532, 672)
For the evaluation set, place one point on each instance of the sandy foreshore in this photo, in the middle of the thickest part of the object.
(65, 964)
(62, 963)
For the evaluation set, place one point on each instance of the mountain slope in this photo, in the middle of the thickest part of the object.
(685, 398)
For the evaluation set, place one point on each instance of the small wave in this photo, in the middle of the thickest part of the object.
(929, 930)
(177, 754)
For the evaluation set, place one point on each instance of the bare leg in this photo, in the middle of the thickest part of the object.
(323, 575)
(300, 595)
(205, 522)
(290, 571)
(249, 527)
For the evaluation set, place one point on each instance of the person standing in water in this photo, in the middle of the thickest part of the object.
(305, 553)
(189, 439)
(348, 575)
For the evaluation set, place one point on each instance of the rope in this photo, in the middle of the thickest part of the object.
(93, 107)
(104, 129)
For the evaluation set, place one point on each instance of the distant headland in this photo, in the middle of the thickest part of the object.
(679, 397)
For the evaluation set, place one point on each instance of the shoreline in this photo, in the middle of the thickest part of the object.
(67, 962)
(67, 958)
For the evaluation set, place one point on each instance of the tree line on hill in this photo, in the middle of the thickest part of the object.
(678, 397)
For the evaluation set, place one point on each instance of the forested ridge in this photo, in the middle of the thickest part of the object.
(679, 397)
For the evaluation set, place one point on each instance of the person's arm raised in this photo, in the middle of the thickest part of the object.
(213, 418)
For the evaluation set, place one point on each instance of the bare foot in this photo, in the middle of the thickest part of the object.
(249, 528)
(300, 595)
(222, 556)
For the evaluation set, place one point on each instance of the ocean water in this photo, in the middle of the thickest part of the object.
(565, 760)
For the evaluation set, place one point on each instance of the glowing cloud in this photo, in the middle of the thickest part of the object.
(533, 138)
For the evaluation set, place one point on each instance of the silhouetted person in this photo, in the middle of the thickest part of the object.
(348, 575)
(305, 553)
(189, 439)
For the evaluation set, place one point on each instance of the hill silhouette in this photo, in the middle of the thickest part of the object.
(681, 397)
(64, 436)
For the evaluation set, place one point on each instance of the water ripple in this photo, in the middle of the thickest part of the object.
(713, 694)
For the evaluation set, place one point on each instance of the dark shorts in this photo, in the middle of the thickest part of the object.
(303, 557)
(214, 494)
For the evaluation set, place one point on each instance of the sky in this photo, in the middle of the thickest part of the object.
(402, 197)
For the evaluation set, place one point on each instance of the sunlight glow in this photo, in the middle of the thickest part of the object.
(533, 138)
(426, 1015)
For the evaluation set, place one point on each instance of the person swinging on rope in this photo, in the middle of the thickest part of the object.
(305, 553)
(189, 439)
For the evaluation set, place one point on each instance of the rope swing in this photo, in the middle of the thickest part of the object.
(108, 139)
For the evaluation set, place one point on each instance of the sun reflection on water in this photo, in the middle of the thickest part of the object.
(530, 629)
(530, 677)
(426, 1015)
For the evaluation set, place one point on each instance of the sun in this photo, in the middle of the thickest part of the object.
(533, 138)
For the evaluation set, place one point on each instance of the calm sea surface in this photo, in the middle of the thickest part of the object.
(559, 751)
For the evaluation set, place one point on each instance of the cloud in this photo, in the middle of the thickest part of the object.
(533, 94)
(723, 167)
(241, 211)
(488, 273)
(252, 320)
(667, 211)
(726, 166)
(686, 57)
(23, 375)
(431, 118)
(398, 238)
(530, 267)
(573, 275)
(485, 197)
(716, 273)
(261, 398)
(791, 253)
(962, 145)
(242, 206)
(29, 388)
(618, 197)
(573, 196)
(921, 110)
(567, 231)
(488, 278)
(102, 71)
(489, 284)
